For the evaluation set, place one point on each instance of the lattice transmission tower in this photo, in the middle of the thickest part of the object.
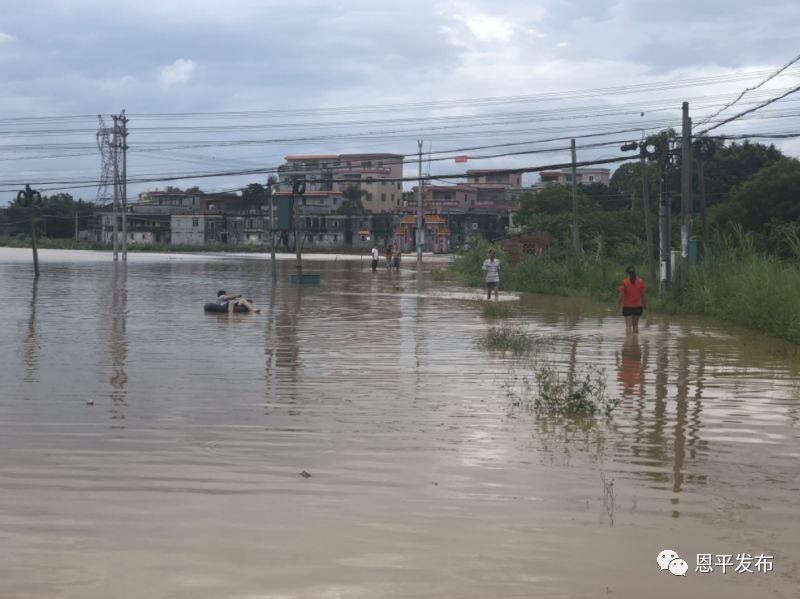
(106, 162)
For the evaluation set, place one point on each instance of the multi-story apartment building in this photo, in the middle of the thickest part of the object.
(378, 175)
(586, 176)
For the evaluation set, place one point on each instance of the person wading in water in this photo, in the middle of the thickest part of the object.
(632, 300)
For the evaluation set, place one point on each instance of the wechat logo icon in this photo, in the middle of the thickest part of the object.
(669, 560)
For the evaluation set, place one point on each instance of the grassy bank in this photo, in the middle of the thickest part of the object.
(559, 273)
(738, 284)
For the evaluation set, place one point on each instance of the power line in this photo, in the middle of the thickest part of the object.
(741, 95)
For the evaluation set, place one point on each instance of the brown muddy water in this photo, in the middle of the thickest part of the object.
(150, 450)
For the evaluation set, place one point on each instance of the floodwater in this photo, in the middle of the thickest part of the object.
(150, 450)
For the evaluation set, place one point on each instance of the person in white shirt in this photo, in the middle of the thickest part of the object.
(491, 275)
(375, 255)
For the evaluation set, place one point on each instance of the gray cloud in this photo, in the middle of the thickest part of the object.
(88, 56)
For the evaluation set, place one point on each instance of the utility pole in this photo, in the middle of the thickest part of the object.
(298, 190)
(27, 198)
(420, 230)
(76, 226)
(576, 236)
(686, 193)
(648, 226)
(701, 185)
(115, 208)
(663, 215)
(124, 134)
(270, 199)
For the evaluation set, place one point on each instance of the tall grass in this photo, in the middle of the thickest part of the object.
(560, 272)
(739, 284)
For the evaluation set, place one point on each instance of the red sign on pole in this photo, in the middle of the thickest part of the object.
(461, 158)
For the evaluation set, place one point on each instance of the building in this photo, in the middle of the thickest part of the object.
(207, 229)
(585, 176)
(484, 206)
(437, 234)
(377, 175)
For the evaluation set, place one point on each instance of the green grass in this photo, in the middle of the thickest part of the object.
(739, 284)
(509, 338)
(495, 310)
(559, 273)
(743, 286)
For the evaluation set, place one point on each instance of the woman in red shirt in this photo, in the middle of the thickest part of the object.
(632, 300)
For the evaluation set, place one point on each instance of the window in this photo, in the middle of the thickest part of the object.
(392, 198)
(591, 178)
(383, 197)
(320, 236)
(380, 163)
(369, 197)
(399, 186)
(195, 222)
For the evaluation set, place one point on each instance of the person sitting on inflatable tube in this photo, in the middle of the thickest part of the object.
(232, 301)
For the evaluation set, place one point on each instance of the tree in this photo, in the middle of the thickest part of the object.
(772, 194)
(351, 201)
(254, 195)
(553, 199)
(194, 189)
(732, 165)
(172, 189)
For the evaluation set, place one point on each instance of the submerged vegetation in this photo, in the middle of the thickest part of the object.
(495, 310)
(509, 338)
(543, 389)
(546, 391)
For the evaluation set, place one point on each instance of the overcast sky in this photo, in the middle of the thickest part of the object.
(162, 60)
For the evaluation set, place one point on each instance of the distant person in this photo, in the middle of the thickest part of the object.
(396, 255)
(491, 275)
(231, 301)
(389, 258)
(632, 300)
(375, 256)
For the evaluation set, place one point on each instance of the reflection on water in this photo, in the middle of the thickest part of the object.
(119, 339)
(424, 482)
(31, 347)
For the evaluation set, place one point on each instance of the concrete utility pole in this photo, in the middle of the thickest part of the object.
(115, 208)
(124, 184)
(420, 229)
(272, 259)
(663, 215)
(298, 190)
(27, 198)
(76, 226)
(648, 226)
(686, 193)
(701, 188)
(576, 236)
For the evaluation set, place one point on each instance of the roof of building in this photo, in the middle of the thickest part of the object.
(376, 155)
(310, 193)
(490, 170)
(311, 156)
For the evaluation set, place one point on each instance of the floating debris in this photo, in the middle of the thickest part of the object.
(90, 402)
(305, 474)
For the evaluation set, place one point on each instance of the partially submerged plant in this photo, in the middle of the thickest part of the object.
(511, 338)
(496, 310)
(547, 392)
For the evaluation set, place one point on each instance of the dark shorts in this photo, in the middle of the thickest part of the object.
(374, 265)
(632, 311)
(493, 285)
(396, 262)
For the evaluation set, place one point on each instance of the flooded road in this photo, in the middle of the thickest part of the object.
(148, 449)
